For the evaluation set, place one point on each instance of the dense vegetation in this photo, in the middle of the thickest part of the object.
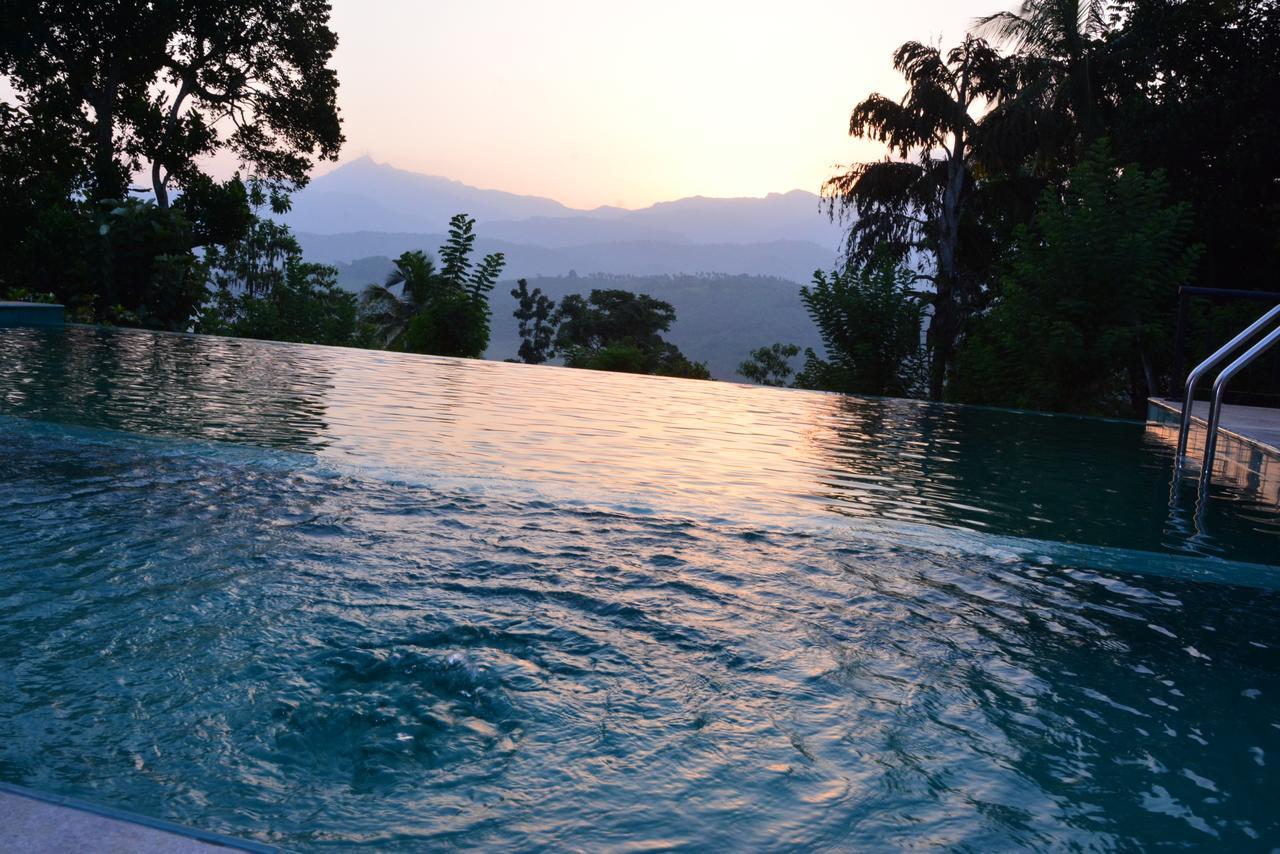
(608, 330)
(719, 317)
(1052, 181)
(104, 92)
(443, 312)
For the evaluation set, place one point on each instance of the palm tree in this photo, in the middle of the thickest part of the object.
(917, 199)
(416, 278)
(1060, 40)
(416, 286)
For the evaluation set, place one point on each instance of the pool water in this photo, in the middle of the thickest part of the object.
(329, 599)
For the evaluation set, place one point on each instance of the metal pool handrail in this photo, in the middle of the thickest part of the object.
(1203, 368)
(1186, 294)
(1215, 403)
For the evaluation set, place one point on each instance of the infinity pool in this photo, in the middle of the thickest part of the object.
(329, 598)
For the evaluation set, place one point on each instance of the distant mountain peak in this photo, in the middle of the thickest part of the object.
(357, 164)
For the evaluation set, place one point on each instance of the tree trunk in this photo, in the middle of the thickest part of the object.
(107, 182)
(159, 179)
(941, 339)
(944, 326)
(1080, 76)
(159, 185)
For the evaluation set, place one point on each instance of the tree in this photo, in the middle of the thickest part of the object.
(771, 365)
(305, 306)
(41, 165)
(920, 201)
(1062, 38)
(100, 92)
(253, 258)
(389, 312)
(262, 288)
(869, 318)
(611, 316)
(615, 330)
(162, 83)
(534, 320)
(1194, 87)
(443, 313)
(148, 274)
(452, 324)
(1087, 299)
(455, 318)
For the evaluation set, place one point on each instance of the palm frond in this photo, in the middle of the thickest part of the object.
(890, 122)
(386, 311)
(921, 63)
(1047, 27)
(1013, 30)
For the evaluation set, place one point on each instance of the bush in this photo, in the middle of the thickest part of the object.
(869, 319)
(1087, 299)
(770, 366)
(453, 323)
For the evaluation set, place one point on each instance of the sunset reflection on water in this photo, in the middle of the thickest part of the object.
(712, 448)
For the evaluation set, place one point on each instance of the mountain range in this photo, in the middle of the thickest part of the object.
(731, 267)
(364, 257)
(366, 209)
(381, 197)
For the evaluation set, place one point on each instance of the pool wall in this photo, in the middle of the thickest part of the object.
(30, 314)
(1245, 458)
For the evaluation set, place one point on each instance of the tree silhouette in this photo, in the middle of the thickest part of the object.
(771, 365)
(444, 312)
(534, 320)
(869, 318)
(163, 83)
(616, 330)
(390, 312)
(1089, 292)
(1059, 41)
(918, 200)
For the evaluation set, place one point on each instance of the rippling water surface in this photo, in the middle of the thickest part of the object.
(329, 598)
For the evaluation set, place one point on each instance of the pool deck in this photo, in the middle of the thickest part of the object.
(37, 823)
(1248, 454)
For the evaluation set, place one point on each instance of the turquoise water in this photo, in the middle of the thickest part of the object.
(332, 599)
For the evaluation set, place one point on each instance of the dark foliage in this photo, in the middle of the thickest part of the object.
(1088, 295)
(870, 320)
(770, 365)
(919, 201)
(262, 288)
(442, 312)
(160, 83)
(534, 318)
(1002, 195)
(105, 91)
(1194, 88)
(613, 330)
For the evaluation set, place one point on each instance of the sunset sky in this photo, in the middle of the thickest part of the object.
(592, 102)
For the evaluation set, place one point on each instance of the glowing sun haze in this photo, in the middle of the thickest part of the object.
(596, 102)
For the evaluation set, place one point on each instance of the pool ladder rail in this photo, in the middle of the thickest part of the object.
(1219, 388)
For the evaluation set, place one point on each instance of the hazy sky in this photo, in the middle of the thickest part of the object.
(607, 102)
